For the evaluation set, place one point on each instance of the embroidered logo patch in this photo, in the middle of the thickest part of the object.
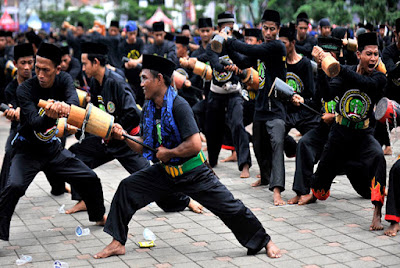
(354, 105)
(295, 82)
(110, 107)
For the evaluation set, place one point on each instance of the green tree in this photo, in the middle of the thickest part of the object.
(57, 17)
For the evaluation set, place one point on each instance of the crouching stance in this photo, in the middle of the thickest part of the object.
(169, 125)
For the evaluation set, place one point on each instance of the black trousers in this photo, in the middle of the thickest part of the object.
(308, 153)
(57, 186)
(393, 198)
(31, 159)
(381, 134)
(231, 106)
(199, 111)
(268, 143)
(153, 183)
(94, 153)
(303, 121)
(359, 154)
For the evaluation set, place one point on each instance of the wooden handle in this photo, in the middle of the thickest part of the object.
(42, 103)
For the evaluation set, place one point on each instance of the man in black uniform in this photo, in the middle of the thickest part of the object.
(169, 126)
(393, 201)
(132, 48)
(304, 41)
(270, 115)
(225, 101)
(37, 148)
(72, 66)
(5, 56)
(300, 77)
(351, 145)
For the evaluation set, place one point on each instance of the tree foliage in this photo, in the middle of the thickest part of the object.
(57, 17)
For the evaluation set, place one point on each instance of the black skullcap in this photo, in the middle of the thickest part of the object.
(205, 22)
(9, 33)
(367, 39)
(252, 32)
(51, 52)
(23, 50)
(271, 15)
(185, 27)
(225, 17)
(339, 32)
(180, 39)
(158, 26)
(2, 33)
(369, 27)
(330, 43)
(64, 50)
(169, 36)
(398, 25)
(94, 48)
(288, 32)
(33, 38)
(324, 22)
(382, 26)
(302, 17)
(159, 64)
(80, 24)
(114, 23)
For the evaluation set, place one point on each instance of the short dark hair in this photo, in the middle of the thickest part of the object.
(167, 79)
(103, 59)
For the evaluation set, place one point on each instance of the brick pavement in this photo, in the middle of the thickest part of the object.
(333, 233)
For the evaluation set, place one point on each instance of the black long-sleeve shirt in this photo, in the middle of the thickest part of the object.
(273, 55)
(306, 46)
(390, 56)
(357, 93)
(34, 125)
(114, 96)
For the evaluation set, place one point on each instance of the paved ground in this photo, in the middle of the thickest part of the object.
(333, 233)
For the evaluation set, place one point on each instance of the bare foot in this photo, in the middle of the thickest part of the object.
(67, 189)
(195, 206)
(272, 250)
(387, 150)
(114, 248)
(245, 172)
(102, 222)
(256, 183)
(307, 199)
(258, 176)
(393, 229)
(231, 158)
(205, 149)
(80, 206)
(376, 219)
(294, 200)
(278, 201)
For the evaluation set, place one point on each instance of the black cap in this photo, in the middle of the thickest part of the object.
(50, 51)
(339, 32)
(205, 22)
(185, 27)
(324, 22)
(169, 36)
(33, 38)
(225, 17)
(9, 33)
(2, 33)
(398, 25)
(114, 23)
(302, 17)
(252, 32)
(180, 39)
(159, 64)
(158, 26)
(330, 43)
(80, 24)
(23, 50)
(288, 32)
(64, 50)
(94, 48)
(382, 26)
(367, 39)
(271, 15)
(369, 27)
